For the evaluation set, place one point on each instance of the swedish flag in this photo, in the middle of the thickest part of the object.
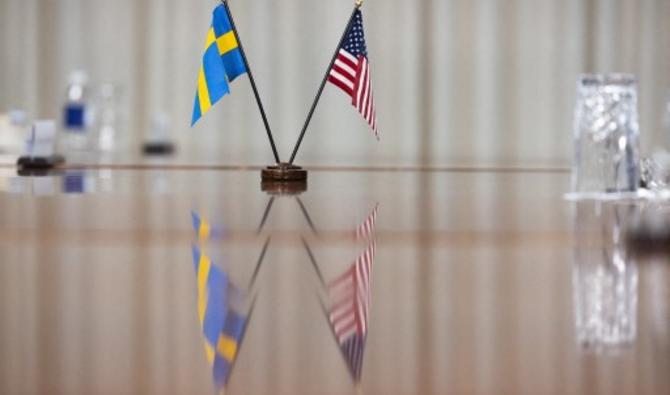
(221, 63)
(203, 230)
(222, 326)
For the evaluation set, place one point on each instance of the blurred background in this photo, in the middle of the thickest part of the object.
(457, 82)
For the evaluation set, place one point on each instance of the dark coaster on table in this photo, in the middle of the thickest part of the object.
(164, 148)
(40, 162)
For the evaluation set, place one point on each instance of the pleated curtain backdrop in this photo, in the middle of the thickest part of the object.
(457, 82)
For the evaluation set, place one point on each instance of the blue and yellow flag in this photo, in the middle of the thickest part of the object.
(203, 230)
(222, 326)
(221, 63)
(227, 347)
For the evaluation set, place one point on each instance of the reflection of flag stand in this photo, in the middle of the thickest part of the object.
(312, 259)
(205, 231)
(258, 264)
(268, 208)
(305, 213)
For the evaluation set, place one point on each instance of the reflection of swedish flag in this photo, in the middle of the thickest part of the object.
(222, 327)
(221, 63)
(203, 230)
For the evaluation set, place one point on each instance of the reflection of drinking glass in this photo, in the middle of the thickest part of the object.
(108, 109)
(606, 134)
(605, 278)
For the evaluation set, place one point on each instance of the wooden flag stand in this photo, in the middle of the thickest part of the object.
(280, 186)
(284, 172)
(276, 176)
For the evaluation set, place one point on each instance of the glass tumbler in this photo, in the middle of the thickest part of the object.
(606, 135)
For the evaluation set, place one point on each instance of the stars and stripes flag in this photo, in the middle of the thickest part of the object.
(366, 230)
(351, 72)
(350, 295)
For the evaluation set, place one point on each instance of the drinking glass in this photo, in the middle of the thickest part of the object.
(606, 134)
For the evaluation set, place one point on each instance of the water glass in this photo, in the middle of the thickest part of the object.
(606, 134)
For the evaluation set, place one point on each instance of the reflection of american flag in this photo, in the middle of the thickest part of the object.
(350, 293)
(351, 72)
(353, 349)
(367, 228)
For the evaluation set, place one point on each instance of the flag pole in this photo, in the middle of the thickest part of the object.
(258, 264)
(358, 5)
(268, 207)
(244, 333)
(253, 82)
(306, 214)
(313, 260)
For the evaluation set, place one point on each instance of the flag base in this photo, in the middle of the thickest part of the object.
(37, 172)
(39, 162)
(283, 188)
(284, 179)
(158, 148)
(284, 172)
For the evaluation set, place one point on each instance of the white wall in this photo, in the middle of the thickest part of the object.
(465, 82)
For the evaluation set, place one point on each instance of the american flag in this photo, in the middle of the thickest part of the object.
(351, 72)
(351, 295)
(367, 229)
(353, 349)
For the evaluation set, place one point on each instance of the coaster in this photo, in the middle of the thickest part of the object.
(154, 148)
(40, 162)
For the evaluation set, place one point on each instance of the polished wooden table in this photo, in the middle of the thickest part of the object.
(485, 281)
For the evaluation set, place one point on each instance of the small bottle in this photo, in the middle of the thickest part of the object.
(77, 113)
(108, 118)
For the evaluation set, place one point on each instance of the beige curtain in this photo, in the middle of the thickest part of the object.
(457, 82)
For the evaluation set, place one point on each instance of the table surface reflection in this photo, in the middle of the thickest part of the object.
(483, 282)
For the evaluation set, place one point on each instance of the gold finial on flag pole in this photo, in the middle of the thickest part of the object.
(359, 3)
